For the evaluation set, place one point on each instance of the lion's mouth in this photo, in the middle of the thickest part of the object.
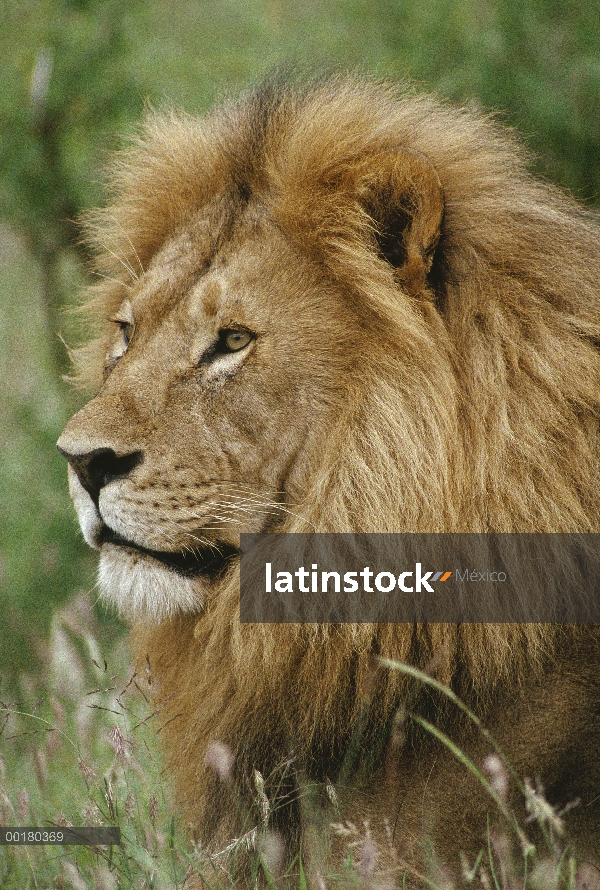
(208, 561)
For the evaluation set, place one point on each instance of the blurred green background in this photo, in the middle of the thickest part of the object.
(75, 77)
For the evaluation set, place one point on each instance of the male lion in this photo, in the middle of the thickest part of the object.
(342, 307)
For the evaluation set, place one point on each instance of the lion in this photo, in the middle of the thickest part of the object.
(342, 306)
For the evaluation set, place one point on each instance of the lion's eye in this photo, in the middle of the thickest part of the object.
(121, 342)
(233, 340)
(127, 329)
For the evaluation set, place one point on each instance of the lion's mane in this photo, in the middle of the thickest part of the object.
(473, 405)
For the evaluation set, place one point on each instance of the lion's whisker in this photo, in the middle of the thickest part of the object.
(110, 278)
(114, 219)
(123, 262)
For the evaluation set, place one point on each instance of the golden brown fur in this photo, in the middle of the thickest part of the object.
(449, 382)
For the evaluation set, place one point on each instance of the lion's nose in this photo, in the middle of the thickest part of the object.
(99, 466)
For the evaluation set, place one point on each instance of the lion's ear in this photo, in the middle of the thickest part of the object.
(403, 195)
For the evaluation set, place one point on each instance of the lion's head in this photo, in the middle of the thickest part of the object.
(336, 308)
(222, 380)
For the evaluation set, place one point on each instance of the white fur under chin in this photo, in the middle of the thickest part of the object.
(143, 589)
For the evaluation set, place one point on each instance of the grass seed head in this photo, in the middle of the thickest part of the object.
(539, 810)
(86, 771)
(130, 805)
(272, 850)
(22, 806)
(40, 766)
(494, 768)
(263, 800)
(220, 759)
(117, 740)
(153, 808)
(368, 858)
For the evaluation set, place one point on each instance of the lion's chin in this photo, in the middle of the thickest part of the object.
(143, 589)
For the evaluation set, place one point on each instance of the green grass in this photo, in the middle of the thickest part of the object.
(43, 559)
(82, 748)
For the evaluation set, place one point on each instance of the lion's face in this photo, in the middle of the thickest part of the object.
(220, 374)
